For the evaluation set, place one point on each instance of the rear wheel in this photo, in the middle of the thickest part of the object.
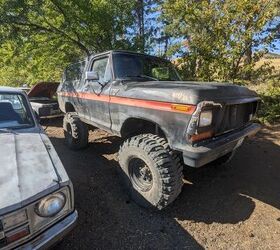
(75, 131)
(151, 175)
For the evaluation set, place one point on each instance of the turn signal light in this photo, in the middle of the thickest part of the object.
(183, 108)
(17, 235)
(202, 136)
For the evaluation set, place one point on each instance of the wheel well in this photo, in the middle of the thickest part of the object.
(69, 107)
(136, 126)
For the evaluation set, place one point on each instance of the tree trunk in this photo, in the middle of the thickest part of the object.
(248, 50)
(140, 23)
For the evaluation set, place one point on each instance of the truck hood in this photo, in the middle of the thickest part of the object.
(26, 169)
(43, 89)
(185, 92)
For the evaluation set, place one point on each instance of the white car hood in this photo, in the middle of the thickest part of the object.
(26, 168)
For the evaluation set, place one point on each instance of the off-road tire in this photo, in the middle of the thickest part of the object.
(166, 174)
(178, 161)
(75, 131)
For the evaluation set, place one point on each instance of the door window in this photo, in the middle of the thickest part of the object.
(102, 68)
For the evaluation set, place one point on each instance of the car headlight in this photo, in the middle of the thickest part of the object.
(51, 205)
(205, 118)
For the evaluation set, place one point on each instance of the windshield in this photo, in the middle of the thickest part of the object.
(143, 67)
(14, 112)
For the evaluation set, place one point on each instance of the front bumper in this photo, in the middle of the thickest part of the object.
(47, 111)
(201, 155)
(52, 235)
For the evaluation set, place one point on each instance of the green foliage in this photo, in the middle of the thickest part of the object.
(33, 62)
(215, 40)
(38, 38)
(219, 36)
(270, 108)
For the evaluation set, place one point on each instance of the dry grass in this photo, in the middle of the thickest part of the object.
(275, 62)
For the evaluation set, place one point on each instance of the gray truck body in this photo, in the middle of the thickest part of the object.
(127, 106)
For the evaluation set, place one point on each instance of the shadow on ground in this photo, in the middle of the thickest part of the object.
(108, 219)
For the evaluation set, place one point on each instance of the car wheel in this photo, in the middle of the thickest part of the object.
(75, 131)
(151, 175)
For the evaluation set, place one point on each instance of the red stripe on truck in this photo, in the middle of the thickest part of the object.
(157, 105)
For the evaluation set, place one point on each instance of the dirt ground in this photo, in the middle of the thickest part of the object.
(229, 208)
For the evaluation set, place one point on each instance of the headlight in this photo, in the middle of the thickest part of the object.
(51, 205)
(205, 118)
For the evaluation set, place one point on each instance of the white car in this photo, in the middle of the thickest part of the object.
(37, 199)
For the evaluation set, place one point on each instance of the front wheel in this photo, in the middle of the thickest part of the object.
(151, 174)
(75, 131)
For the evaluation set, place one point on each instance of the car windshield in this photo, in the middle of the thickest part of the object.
(145, 68)
(14, 112)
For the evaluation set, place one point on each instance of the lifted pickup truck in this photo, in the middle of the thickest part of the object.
(164, 121)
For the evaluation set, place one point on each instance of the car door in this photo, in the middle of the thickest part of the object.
(97, 93)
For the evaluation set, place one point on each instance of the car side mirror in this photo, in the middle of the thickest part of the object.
(92, 76)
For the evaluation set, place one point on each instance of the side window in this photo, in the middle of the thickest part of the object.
(74, 72)
(102, 68)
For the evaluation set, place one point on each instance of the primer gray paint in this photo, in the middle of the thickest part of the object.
(30, 168)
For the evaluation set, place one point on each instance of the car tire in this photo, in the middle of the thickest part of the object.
(150, 172)
(75, 131)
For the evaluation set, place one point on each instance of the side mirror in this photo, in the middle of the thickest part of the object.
(92, 76)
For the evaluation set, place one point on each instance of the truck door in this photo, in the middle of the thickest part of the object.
(96, 93)
(71, 84)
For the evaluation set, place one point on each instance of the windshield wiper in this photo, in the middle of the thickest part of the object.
(143, 76)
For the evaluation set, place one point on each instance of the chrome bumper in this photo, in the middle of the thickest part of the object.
(52, 235)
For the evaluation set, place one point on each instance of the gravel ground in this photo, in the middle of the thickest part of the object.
(219, 208)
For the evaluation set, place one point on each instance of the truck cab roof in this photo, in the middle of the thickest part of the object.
(116, 51)
(4, 89)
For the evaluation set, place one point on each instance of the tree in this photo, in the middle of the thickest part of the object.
(220, 40)
(140, 13)
(144, 26)
(46, 35)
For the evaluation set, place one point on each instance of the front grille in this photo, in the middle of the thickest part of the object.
(55, 106)
(44, 111)
(11, 227)
(49, 110)
(235, 116)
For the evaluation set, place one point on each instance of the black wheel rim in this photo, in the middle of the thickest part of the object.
(140, 175)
